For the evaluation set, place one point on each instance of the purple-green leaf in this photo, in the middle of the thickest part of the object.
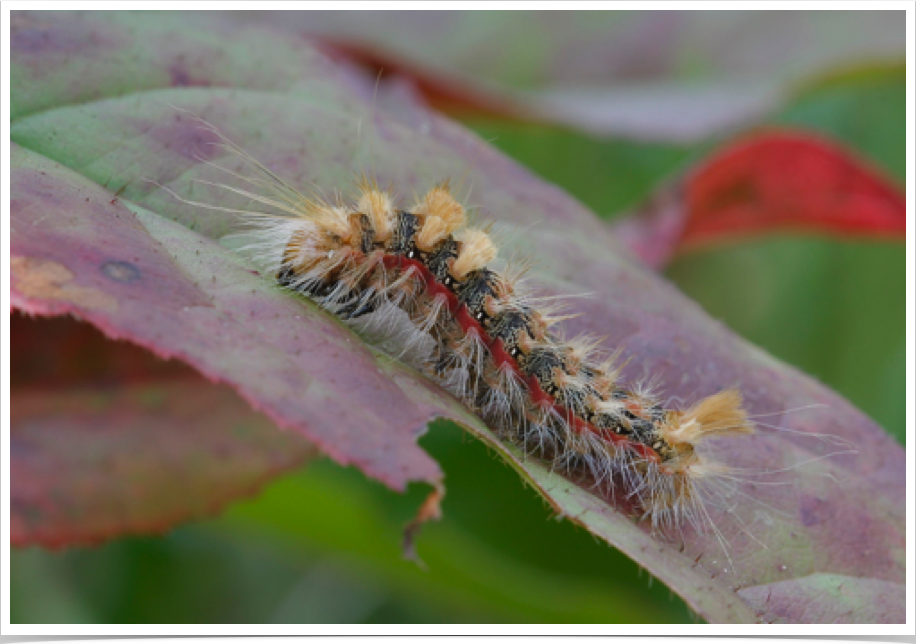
(170, 286)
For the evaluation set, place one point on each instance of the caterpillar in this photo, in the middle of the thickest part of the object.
(421, 283)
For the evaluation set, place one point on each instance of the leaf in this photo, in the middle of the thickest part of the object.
(822, 513)
(773, 181)
(647, 75)
(133, 445)
(93, 463)
(142, 278)
(533, 48)
(58, 352)
(831, 598)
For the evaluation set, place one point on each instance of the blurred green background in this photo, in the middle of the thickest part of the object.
(323, 544)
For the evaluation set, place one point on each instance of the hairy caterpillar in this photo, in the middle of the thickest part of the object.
(421, 284)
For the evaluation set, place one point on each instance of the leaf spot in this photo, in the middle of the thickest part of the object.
(123, 272)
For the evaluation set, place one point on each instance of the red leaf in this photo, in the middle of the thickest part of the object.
(61, 352)
(790, 180)
(95, 463)
(767, 182)
(95, 415)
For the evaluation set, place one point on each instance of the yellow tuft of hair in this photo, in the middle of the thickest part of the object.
(433, 231)
(477, 250)
(719, 415)
(378, 206)
(440, 203)
(334, 218)
(440, 214)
